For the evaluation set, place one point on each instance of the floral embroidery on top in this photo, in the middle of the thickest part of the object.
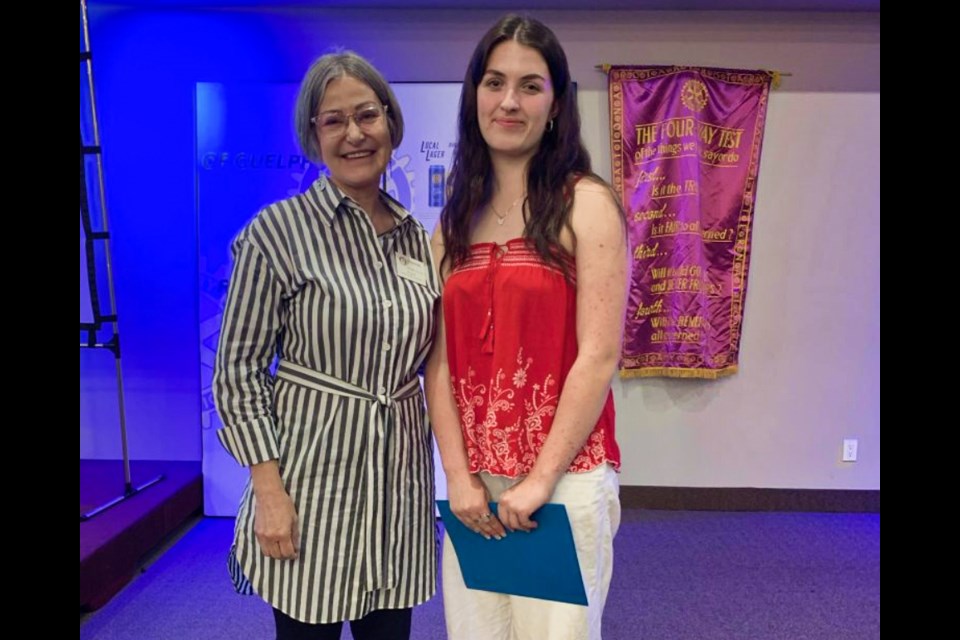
(520, 375)
(507, 386)
(499, 444)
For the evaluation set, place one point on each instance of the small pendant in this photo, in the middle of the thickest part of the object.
(500, 221)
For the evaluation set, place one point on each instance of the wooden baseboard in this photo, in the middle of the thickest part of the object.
(749, 499)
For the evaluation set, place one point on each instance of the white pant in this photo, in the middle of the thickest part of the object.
(593, 506)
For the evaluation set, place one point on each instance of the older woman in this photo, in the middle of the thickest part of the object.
(337, 521)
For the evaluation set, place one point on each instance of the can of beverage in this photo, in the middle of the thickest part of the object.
(437, 185)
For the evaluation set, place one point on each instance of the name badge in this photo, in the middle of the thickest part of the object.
(411, 269)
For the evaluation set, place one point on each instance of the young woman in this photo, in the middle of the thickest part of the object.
(532, 250)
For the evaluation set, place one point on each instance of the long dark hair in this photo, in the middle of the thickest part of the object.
(559, 160)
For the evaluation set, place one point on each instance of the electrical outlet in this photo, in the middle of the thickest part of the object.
(849, 450)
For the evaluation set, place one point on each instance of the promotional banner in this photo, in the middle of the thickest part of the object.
(247, 157)
(685, 145)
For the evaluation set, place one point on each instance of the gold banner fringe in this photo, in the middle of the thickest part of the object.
(677, 372)
(776, 77)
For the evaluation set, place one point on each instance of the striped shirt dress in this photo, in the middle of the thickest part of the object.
(324, 329)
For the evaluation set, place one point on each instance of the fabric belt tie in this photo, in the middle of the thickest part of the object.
(380, 571)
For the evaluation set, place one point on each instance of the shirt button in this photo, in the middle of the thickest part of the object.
(378, 264)
(383, 390)
(387, 304)
(386, 346)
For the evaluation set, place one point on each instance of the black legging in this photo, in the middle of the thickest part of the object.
(383, 624)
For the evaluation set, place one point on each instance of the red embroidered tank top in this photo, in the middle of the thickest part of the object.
(511, 339)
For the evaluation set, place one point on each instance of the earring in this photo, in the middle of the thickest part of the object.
(549, 125)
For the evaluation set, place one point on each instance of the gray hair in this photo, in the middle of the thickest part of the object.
(314, 86)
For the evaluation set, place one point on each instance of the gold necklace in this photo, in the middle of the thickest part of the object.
(503, 216)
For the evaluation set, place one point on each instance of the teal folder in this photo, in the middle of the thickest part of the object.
(539, 564)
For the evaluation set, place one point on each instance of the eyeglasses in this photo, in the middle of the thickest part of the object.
(334, 123)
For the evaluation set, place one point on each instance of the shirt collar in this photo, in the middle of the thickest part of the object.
(327, 199)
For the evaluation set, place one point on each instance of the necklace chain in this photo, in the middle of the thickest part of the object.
(501, 217)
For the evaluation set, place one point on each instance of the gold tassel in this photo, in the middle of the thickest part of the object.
(776, 77)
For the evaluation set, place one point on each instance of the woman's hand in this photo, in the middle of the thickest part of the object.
(275, 521)
(519, 502)
(276, 525)
(469, 502)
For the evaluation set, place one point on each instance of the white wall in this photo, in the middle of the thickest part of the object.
(810, 357)
(809, 363)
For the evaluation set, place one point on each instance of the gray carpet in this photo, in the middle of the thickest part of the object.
(678, 575)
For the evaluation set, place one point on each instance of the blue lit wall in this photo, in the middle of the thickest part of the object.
(146, 66)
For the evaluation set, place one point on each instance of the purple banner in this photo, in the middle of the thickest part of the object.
(685, 145)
